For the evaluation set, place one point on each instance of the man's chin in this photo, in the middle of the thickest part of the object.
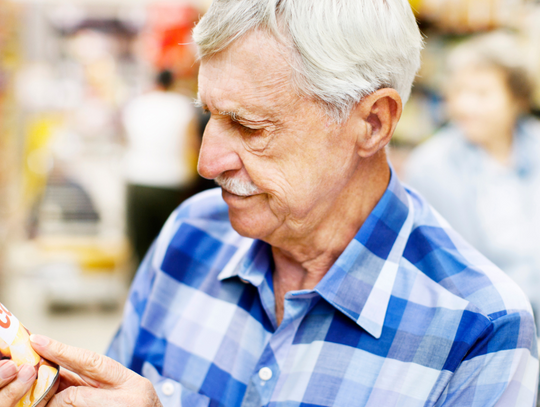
(251, 222)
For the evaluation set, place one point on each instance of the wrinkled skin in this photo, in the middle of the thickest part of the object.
(91, 380)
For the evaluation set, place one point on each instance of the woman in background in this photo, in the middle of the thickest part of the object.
(482, 171)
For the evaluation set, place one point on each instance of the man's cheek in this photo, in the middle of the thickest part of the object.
(259, 143)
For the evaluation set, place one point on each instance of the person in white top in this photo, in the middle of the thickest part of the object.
(160, 161)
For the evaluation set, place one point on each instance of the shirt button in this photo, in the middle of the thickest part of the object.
(167, 388)
(265, 373)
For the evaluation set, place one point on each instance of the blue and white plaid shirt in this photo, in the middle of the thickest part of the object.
(409, 315)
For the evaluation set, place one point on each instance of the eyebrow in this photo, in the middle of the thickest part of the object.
(234, 115)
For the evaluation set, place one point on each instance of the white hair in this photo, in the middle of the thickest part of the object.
(346, 49)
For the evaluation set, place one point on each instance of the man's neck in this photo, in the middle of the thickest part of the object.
(301, 264)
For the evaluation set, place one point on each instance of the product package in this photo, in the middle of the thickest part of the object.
(15, 345)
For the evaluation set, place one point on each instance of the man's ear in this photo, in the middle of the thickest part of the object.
(378, 114)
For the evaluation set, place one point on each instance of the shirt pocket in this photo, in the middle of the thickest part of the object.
(170, 392)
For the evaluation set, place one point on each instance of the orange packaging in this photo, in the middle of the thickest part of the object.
(15, 345)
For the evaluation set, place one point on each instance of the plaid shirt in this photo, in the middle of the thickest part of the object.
(409, 315)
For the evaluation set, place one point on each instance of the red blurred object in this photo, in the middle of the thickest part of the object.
(167, 40)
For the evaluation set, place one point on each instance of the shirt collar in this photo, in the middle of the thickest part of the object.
(250, 262)
(360, 282)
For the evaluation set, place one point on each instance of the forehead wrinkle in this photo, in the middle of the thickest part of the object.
(270, 95)
(255, 104)
(262, 51)
(264, 73)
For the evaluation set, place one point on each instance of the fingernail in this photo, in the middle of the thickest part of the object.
(39, 340)
(26, 373)
(8, 369)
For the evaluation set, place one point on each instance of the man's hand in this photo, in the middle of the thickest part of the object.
(15, 382)
(93, 380)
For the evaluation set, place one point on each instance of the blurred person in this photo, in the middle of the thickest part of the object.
(313, 277)
(162, 142)
(482, 170)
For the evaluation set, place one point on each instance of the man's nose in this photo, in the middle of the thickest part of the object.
(217, 154)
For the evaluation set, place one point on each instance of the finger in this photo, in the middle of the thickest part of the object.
(69, 379)
(14, 391)
(93, 368)
(8, 372)
(80, 397)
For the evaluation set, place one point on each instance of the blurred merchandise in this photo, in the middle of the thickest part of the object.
(38, 158)
(9, 62)
(466, 16)
(67, 68)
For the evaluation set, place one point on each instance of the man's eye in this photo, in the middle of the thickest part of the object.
(245, 129)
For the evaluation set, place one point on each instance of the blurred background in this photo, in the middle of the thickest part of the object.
(68, 69)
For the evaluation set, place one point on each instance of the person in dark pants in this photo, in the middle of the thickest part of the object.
(161, 130)
(147, 210)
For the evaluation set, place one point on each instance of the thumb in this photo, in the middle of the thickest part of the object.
(80, 397)
(97, 370)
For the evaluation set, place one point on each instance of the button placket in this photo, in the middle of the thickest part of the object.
(265, 378)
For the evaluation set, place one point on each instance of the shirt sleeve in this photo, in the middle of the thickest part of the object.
(123, 344)
(500, 370)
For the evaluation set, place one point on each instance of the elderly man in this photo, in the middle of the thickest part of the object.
(315, 278)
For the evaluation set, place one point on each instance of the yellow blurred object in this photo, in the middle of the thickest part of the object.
(10, 27)
(416, 5)
(93, 255)
(37, 157)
